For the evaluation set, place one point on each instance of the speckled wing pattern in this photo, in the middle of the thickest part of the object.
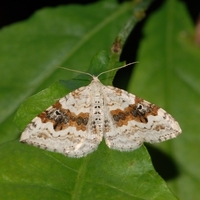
(77, 123)
(134, 121)
(66, 127)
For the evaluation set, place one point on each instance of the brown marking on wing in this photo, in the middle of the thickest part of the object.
(159, 127)
(63, 118)
(43, 135)
(118, 91)
(76, 94)
(138, 112)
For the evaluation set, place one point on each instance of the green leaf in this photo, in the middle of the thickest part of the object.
(168, 75)
(104, 174)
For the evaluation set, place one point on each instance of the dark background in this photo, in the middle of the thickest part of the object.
(12, 11)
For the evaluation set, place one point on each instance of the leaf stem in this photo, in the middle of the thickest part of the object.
(139, 8)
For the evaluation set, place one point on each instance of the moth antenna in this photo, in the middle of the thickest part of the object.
(74, 70)
(110, 70)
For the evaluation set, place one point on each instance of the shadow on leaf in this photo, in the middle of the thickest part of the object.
(163, 163)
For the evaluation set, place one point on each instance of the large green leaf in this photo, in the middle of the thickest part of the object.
(168, 75)
(104, 174)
